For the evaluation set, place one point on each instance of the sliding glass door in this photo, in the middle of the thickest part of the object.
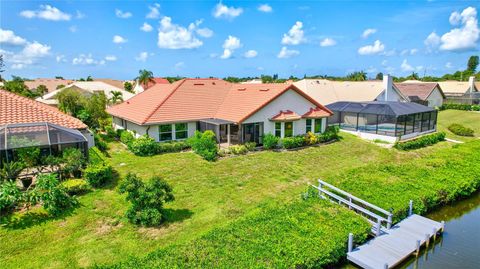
(253, 132)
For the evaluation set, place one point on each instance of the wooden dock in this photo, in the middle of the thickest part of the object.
(391, 244)
(396, 244)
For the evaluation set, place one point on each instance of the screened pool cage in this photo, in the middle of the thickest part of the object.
(50, 138)
(394, 119)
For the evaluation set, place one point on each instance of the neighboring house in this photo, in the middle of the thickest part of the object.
(463, 92)
(425, 93)
(51, 84)
(25, 122)
(237, 113)
(328, 92)
(138, 88)
(380, 120)
(87, 88)
(115, 83)
(253, 81)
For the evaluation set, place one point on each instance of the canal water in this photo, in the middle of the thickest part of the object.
(459, 247)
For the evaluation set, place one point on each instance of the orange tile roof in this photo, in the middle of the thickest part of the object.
(286, 115)
(50, 83)
(18, 109)
(420, 89)
(195, 99)
(316, 113)
(156, 81)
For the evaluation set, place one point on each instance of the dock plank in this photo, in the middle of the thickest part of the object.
(394, 245)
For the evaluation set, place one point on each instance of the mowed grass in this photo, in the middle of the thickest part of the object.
(208, 196)
(470, 119)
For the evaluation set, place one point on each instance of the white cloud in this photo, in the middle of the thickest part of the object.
(122, 15)
(9, 37)
(223, 11)
(294, 35)
(328, 42)
(449, 65)
(376, 48)
(36, 50)
(179, 65)
(368, 32)
(154, 12)
(409, 52)
(142, 57)
(46, 12)
(146, 27)
(406, 67)
(286, 53)
(111, 58)
(118, 39)
(87, 59)
(229, 46)
(174, 36)
(29, 55)
(251, 54)
(265, 8)
(60, 58)
(466, 36)
(432, 41)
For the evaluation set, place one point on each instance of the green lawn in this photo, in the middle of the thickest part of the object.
(212, 196)
(470, 119)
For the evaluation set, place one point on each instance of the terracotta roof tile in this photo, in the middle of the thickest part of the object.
(195, 99)
(286, 115)
(417, 89)
(18, 109)
(51, 84)
(157, 81)
(316, 113)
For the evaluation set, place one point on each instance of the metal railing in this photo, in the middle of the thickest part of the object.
(374, 214)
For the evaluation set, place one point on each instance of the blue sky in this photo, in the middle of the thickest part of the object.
(115, 39)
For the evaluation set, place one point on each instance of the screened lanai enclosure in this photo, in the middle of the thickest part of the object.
(50, 138)
(394, 119)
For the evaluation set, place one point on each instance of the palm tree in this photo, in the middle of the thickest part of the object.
(116, 97)
(144, 77)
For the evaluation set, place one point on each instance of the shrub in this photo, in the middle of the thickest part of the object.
(311, 139)
(98, 175)
(73, 160)
(421, 142)
(204, 144)
(173, 146)
(146, 199)
(143, 146)
(126, 137)
(460, 130)
(29, 156)
(238, 149)
(11, 170)
(293, 142)
(270, 141)
(460, 107)
(76, 186)
(250, 146)
(331, 133)
(95, 156)
(52, 195)
(10, 195)
(100, 142)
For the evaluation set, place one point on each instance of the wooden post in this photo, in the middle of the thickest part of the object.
(418, 247)
(378, 227)
(434, 234)
(443, 226)
(389, 222)
(427, 240)
(410, 210)
(350, 242)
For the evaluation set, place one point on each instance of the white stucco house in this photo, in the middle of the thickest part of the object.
(237, 113)
(86, 88)
(426, 93)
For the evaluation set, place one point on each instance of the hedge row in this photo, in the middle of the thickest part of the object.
(271, 142)
(304, 234)
(460, 107)
(147, 146)
(460, 130)
(423, 141)
(99, 171)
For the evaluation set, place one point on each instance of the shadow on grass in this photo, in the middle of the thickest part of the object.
(176, 215)
(36, 216)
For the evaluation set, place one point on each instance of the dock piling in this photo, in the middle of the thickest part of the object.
(350, 242)
(434, 234)
(410, 209)
(418, 248)
(443, 226)
(427, 240)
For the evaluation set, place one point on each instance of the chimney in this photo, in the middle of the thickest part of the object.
(388, 86)
(471, 83)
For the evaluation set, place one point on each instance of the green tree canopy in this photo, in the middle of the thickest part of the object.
(472, 63)
(144, 77)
